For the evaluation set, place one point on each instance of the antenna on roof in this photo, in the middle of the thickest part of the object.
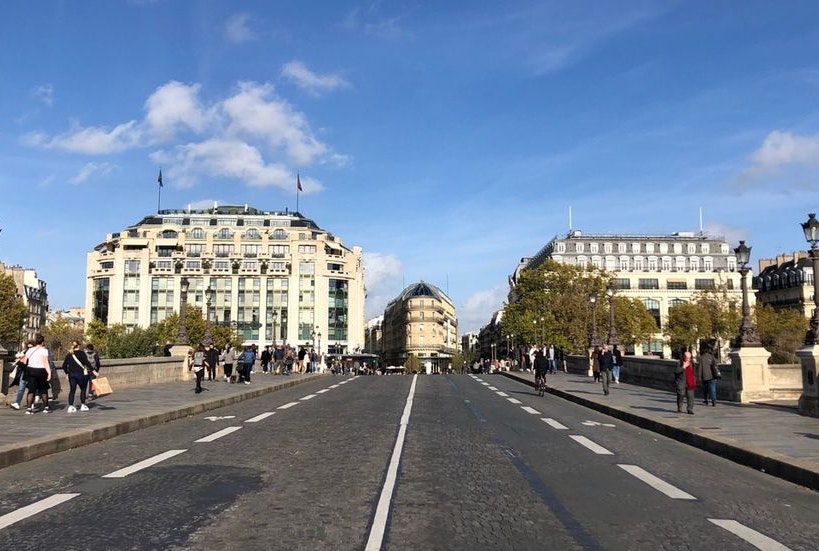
(700, 219)
(570, 218)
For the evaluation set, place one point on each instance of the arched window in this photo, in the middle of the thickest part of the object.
(197, 233)
(279, 234)
(168, 234)
(653, 307)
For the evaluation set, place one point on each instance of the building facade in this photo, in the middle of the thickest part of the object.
(274, 276)
(421, 321)
(786, 282)
(373, 337)
(35, 296)
(659, 270)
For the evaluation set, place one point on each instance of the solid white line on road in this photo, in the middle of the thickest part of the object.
(218, 434)
(554, 424)
(383, 509)
(760, 541)
(308, 397)
(491, 388)
(502, 394)
(287, 406)
(122, 473)
(322, 391)
(533, 411)
(658, 484)
(514, 400)
(31, 510)
(260, 417)
(593, 446)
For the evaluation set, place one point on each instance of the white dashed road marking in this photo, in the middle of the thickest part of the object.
(554, 424)
(333, 386)
(218, 434)
(286, 406)
(220, 417)
(593, 446)
(760, 541)
(491, 388)
(322, 391)
(658, 484)
(122, 473)
(514, 400)
(260, 417)
(308, 397)
(31, 510)
(533, 411)
(502, 394)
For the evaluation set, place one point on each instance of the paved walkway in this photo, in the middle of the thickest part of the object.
(770, 438)
(24, 437)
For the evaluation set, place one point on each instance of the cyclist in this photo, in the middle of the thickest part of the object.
(541, 365)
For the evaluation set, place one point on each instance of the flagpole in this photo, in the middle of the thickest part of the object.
(298, 190)
(159, 193)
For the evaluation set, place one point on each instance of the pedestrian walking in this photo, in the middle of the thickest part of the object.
(96, 364)
(227, 358)
(198, 367)
(77, 367)
(686, 382)
(265, 359)
(707, 373)
(246, 361)
(211, 361)
(595, 359)
(39, 374)
(617, 358)
(20, 378)
(606, 366)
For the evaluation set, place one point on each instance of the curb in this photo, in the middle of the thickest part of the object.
(769, 462)
(75, 438)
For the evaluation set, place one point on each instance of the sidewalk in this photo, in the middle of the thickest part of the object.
(24, 437)
(773, 438)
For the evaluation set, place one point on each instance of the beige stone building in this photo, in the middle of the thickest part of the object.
(274, 276)
(35, 296)
(660, 270)
(421, 321)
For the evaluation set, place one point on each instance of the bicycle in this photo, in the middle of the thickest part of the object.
(540, 384)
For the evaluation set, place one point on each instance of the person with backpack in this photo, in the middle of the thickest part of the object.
(708, 375)
(78, 369)
(246, 361)
(198, 367)
(94, 361)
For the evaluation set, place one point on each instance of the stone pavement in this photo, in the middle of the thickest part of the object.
(24, 437)
(770, 438)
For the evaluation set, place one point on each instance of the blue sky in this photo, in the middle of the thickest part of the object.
(447, 139)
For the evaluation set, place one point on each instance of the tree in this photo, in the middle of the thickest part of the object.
(413, 364)
(13, 313)
(633, 322)
(782, 332)
(195, 326)
(58, 336)
(687, 324)
(133, 342)
(723, 313)
(457, 362)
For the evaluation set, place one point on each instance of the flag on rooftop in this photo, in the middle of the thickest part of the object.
(298, 182)
(160, 178)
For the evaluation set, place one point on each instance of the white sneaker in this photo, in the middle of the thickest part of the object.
(247, 382)
(15, 405)
(83, 408)
(71, 409)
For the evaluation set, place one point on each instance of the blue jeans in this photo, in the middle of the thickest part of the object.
(615, 372)
(21, 391)
(709, 391)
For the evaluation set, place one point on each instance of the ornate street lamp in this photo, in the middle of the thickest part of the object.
(811, 229)
(275, 315)
(612, 338)
(593, 300)
(747, 332)
(182, 337)
(542, 330)
(208, 340)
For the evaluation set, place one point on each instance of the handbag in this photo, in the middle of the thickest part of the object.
(79, 363)
(101, 387)
(715, 373)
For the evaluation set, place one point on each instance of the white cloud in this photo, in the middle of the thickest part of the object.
(45, 93)
(477, 310)
(91, 140)
(781, 151)
(252, 136)
(732, 234)
(382, 276)
(175, 107)
(91, 169)
(237, 29)
(298, 73)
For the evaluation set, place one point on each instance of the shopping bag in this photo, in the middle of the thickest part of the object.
(100, 386)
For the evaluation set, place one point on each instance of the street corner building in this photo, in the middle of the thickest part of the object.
(421, 322)
(273, 276)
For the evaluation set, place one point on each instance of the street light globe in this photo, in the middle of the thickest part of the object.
(592, 297)
(811, 229)
(743, 253)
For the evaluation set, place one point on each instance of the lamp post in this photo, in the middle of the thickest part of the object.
(542, 330)
(275, 315)
(593, 300)
(747, 332)
(208, 340)
(811, 229)
(612, 338)
(182, 337)
(493, 353)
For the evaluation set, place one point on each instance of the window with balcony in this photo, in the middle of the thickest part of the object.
(279, 234)
(194, 249)
(222, 251)
(648, 283)
(278, 251)
(621, 283)
(702, 284)
(252, 234)
(677, 285)
(196, 233)
(251, 251)
(224, 233)
(307, 249)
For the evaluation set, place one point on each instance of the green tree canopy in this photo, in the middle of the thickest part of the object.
(58, 337)
(633, 322)
(13, 313)
(782, 332)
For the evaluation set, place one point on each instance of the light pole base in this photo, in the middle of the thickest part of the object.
(752, 373)
(809, 400)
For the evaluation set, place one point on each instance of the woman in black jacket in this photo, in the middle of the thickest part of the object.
(78, 368)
